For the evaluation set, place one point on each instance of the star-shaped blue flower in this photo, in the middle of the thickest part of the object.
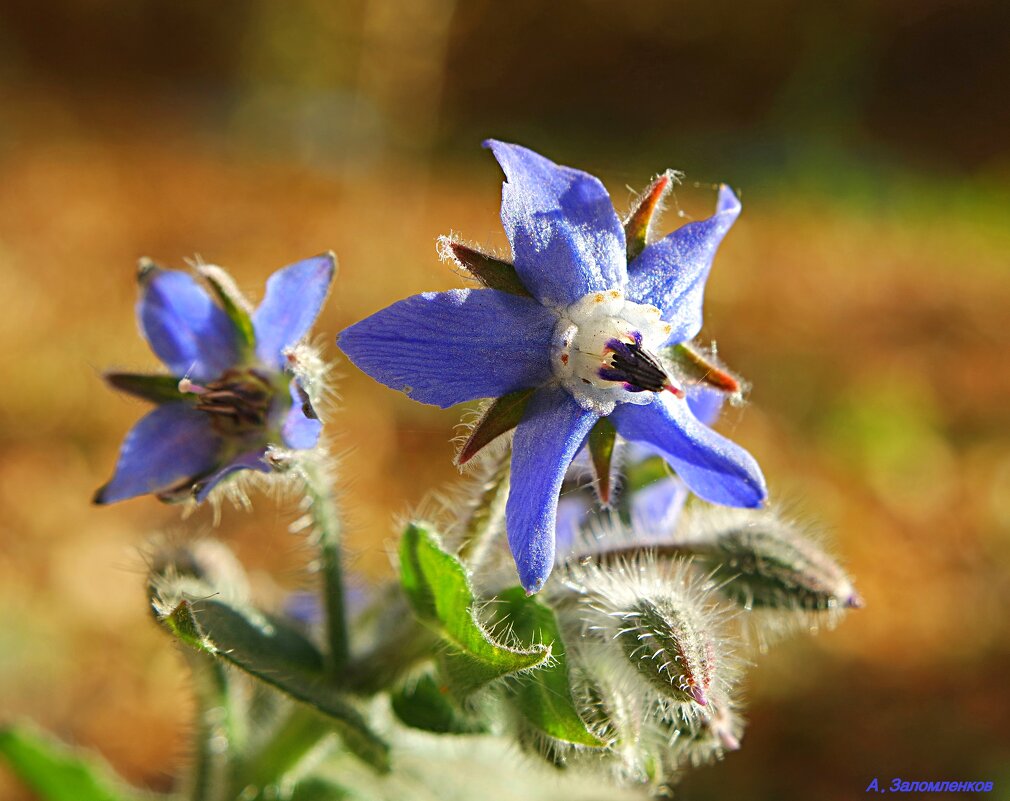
(567, 334)
(235, 387)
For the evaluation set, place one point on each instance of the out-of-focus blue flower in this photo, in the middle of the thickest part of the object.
(580, 325)
(654, 510)
(233, 391)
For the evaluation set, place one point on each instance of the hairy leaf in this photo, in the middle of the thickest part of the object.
(544, 696)
(439, 592)
(279, 655)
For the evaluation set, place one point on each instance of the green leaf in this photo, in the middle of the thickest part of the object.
(601, 448)
(154, 388)
(492, 272)
(544, 696)
(55, 772)
(437, 587)
(233, 303)
(277, 654)
(423, 704)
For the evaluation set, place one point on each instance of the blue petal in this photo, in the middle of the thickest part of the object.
(188, 331)
(294, 296)
(253, 460)
(546, 440)
(567, 240)
(671, 274)
(656, 508)
(300, 431)
(449, 347)
(705, 403)
(713, 468)
(571, 513)
(170, 445)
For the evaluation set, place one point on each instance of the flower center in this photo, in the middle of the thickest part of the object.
(238, 402)
(604, 352)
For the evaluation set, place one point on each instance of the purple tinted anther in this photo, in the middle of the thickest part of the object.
(636, 367)
(237, 402)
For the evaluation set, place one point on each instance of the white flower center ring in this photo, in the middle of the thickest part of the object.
(604, 352)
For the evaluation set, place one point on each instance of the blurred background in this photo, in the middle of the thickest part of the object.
(865, 292)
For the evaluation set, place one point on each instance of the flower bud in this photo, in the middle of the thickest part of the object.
(764, 562)
(659, 617)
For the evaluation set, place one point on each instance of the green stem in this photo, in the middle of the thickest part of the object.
(301, 733)
(487, 512)
(404, 643)
(326, 518)
(216, 729)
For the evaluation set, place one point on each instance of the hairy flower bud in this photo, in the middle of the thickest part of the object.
(649, 656)
(765, 562)
(661, 638)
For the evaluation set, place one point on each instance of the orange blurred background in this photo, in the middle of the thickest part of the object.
(865, 292)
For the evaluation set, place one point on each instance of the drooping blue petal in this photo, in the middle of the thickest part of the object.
(252, 460)
(546, 440)
(572, 512)
(567, 240)
(171, 444)
(300, 431)
(188, 331)
(449, 347)
(713, 468)
(705, 403)
(293, 298)
(656, 508)
(671, 273)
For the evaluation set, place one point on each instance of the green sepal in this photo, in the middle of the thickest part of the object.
(648, 471)
(493, 272)
(233, 303)
(638, 224)
(427, 705)
(154, 388)
(55, 772)
(501, 416)
(544, 696)
(702, 369)
(438, 589)
(273, 652)
(602, 439)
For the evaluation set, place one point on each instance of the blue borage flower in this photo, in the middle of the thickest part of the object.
(654, 510)
(237, 386)
(566, 335)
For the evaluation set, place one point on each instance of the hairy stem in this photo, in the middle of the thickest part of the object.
(487, 512)
(219, 730)
(301, 733)
(326, 520)
(402, 643)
